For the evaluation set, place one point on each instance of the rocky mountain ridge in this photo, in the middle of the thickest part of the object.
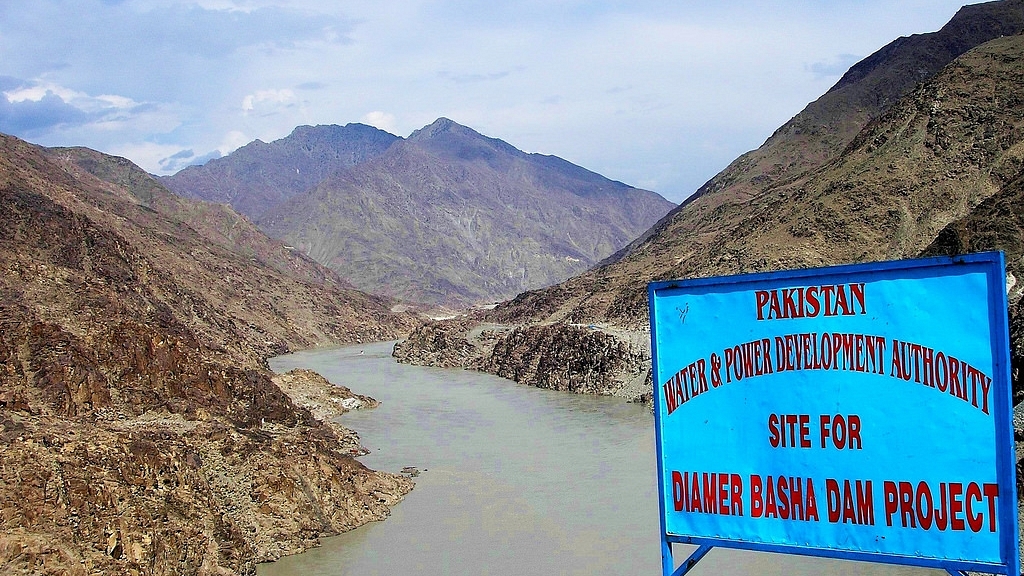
(261, 175)
(449, 216)
(273, 298)
(446, 217)
(142, 431)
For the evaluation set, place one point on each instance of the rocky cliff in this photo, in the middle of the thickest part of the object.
(996, 224)
(142, 431)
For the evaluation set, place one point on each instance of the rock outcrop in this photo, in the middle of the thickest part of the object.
(444, 344)
(572, 358)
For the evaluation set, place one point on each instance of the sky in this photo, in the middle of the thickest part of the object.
(658, 94)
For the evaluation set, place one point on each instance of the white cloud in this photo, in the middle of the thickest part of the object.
(275, 99)
(150, 156)
(56, 114)
(232, 141)
(38, 92)
(39, 89)
(381, 120)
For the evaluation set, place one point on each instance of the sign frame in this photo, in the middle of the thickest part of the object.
(992, 264)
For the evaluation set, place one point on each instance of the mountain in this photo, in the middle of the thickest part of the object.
(824, 128)
(449, 216)
(142, 431)
(876, 169)
(259, 175)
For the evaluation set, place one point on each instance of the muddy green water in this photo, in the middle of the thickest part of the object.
(515, 481)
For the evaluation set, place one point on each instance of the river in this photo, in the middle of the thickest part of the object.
(514, 481)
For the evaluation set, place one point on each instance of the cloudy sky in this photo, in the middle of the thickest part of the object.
(658, 94)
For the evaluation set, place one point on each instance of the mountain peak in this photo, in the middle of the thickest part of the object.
(440, 127)
(450, 138)
(489, 220)
(443, 123)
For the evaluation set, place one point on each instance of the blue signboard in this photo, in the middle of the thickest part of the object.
(858, 412)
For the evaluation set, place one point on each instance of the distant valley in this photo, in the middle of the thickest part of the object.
(918, 150)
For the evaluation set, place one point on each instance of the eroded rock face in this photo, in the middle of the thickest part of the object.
(441, 343)
(566, 357)
(162, 463)
(129, 452)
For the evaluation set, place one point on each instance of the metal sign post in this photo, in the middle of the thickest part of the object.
(859, 412)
